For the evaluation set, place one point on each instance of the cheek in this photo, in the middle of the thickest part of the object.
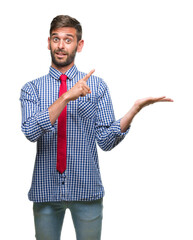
(52, 47)
(70, 49)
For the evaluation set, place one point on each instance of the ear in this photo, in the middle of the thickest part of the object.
(49, 43)
(80, 45)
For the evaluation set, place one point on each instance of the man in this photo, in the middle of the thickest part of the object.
(67, 112)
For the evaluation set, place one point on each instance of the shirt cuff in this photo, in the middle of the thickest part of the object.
(43, 120)
(117, 129)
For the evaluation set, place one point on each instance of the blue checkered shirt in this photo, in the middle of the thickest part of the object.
(90, 119)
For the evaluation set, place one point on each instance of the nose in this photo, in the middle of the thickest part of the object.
(61, 44)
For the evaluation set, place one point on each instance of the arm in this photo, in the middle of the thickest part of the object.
(79, 89)
(139, 104)
(108, 131)
(35, 123)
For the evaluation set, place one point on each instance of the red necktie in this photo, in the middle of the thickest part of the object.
(61, 145)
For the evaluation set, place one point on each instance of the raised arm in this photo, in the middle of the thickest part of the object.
(138, 105)
(79, 89)
(36, 123)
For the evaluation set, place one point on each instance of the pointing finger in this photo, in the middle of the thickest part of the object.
(88, 75)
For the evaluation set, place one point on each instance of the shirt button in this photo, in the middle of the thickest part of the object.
(62, 183)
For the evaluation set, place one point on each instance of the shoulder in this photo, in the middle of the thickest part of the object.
(31, 89)
(34, 84)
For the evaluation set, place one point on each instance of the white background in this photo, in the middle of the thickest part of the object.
(140, 48)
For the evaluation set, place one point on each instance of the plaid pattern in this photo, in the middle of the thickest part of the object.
(90, 119)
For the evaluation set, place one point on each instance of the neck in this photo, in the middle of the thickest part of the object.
(63, 69)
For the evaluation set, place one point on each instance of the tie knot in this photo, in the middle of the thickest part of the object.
(63, 77)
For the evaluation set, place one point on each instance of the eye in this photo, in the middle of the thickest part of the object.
(68, 40)
(55, 39)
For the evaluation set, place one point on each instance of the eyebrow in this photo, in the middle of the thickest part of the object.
(68, 34)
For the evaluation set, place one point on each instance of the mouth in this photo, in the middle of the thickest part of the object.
(60, 54)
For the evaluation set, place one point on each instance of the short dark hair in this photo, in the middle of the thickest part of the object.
(66, 21)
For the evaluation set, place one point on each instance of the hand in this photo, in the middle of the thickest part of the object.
(80, 89)
(141, 103)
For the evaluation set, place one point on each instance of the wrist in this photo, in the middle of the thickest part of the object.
(135, 109)
(128, 118)
(66, 97)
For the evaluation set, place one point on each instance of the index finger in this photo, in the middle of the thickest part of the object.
(88, 75)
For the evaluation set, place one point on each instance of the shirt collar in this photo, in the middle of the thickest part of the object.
(70, 73)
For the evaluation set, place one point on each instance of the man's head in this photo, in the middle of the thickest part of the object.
(66, 21)
(64, 41)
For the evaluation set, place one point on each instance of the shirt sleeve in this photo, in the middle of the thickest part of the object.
(108, 130)
(35, 123)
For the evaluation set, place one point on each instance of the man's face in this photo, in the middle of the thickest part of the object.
(63, 46)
